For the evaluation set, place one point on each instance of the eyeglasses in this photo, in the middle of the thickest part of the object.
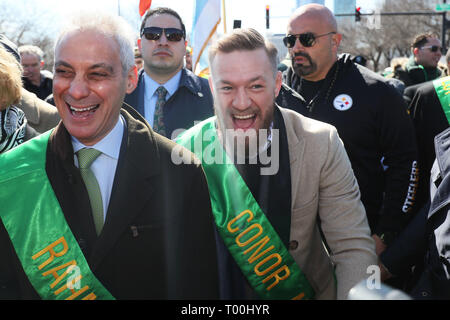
(307, 39)
(433, 48)
(154, 33)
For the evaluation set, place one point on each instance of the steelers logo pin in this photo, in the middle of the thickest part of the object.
(343, 102)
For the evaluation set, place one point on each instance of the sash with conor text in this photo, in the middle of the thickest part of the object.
(44, 243)
(442, 87)
(246, 231)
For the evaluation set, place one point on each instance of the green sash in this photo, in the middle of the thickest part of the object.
(442, 87)
(246, 231)
(44, 243)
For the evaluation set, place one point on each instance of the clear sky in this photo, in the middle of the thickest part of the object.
(250, 12)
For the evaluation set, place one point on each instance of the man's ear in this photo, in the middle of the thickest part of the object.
(210, 81)
(336, 39)
(42, 64)
(415, 51)
(132, 79)
(278, 83)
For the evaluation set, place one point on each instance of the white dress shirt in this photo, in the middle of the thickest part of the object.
(150, 95)
(104, 167)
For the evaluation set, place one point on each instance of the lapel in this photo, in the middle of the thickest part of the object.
(67, 183)
(190, 81)
(133, 184)
(140, 105)
(296, 150)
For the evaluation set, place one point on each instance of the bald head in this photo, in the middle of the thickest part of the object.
(316, 12)
(312, 59)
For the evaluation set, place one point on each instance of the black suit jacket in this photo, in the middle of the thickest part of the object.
(158, 239)
(429, 120)
(191, 103)
(410, 92)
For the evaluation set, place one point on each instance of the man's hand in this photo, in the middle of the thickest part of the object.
(379, 245)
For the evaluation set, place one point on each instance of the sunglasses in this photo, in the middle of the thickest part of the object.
(433, 48)
(154, 33)
(307, 39)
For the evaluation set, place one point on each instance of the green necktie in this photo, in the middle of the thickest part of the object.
(158, 121)
(85, 158)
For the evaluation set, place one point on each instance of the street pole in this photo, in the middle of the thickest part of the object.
(444, 29)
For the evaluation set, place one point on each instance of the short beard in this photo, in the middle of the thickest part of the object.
(232, 140)
(302, 70)
(163, 69)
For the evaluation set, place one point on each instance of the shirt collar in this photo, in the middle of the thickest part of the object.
(109, 145)
(171, 86)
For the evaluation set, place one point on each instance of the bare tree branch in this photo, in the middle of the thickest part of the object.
(393, 36)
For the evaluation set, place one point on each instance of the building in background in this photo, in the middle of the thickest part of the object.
(342, 7)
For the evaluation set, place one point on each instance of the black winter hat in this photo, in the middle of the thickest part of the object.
(10, 46)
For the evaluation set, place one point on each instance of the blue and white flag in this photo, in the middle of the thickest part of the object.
(206, 19)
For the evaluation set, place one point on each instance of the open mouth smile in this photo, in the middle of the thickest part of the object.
(82, 111)
(243, 121)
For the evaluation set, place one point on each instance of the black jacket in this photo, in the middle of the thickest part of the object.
(429, 120)
(374, 125)
(410, 92)
(436, 278)
(427, 237)
(191, 103)
(43, 90)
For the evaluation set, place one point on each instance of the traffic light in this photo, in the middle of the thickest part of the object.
(267, 17)
(358, 14)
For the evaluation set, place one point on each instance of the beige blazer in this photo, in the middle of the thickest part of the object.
(41, 116)
(325, 193)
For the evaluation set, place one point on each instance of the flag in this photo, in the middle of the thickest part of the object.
(144, 5)
(206, 19)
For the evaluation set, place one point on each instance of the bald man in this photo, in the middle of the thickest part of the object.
(369, 114)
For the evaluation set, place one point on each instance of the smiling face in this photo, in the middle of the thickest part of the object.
(425, 56)
(244, 88)
(162, 58)
(89, 85)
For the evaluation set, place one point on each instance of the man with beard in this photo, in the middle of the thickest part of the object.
(272, 224)
(368, 113)
(169, 96)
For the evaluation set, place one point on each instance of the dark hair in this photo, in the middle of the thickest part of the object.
(421, 39)
(159, 11)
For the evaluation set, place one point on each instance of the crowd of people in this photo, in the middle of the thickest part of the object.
(155, 183)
